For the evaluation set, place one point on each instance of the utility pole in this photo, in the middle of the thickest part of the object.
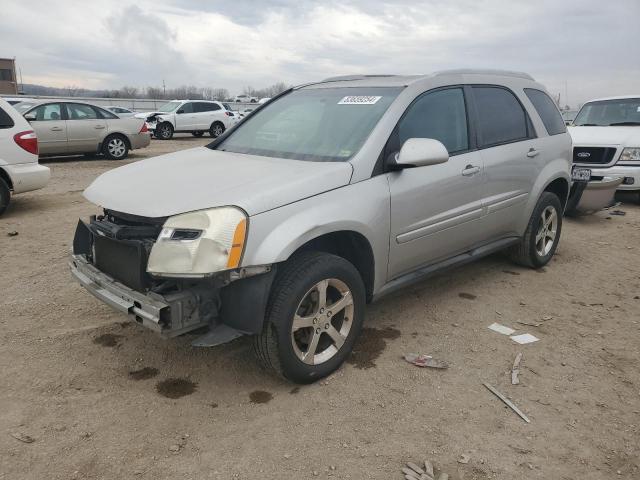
(164, 89)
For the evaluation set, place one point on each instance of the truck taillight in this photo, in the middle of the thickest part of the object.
(144, 128)
(27, 141)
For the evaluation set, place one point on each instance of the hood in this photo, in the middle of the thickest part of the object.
(201, 178)
(146, 114)
(624, 136)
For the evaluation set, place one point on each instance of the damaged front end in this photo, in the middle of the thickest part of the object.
(110, 258)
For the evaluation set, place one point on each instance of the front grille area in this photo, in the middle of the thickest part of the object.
(596, 155)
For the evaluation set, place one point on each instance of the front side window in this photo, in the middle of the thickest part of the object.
(501, 117)
(48, 112)
(549, 113)
(605, 113)
(186, 108)
(79, 111)
(440, 115)
(312, 124)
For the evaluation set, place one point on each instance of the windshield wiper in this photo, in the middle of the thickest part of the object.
(621, 124)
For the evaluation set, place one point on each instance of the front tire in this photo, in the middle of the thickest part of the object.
(115, 147)
(314, 316)
(542, 236)
(216, 129)
(5, 196)
(164, 131)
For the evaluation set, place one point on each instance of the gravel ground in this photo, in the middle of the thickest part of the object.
(102, 398)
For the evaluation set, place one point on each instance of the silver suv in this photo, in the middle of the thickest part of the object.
(328, 197)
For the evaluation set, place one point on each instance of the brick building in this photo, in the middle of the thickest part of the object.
(8, 80)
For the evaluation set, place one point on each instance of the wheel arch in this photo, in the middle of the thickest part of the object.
(4, 175)
(116, 133)
(559, 187)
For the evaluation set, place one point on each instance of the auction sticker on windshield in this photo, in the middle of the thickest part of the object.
(359, 100)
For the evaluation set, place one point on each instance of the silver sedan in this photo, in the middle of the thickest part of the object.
(67, 128)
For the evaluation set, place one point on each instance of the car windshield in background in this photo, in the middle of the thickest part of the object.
(314, 124)
(22, 107)
(606, 113)
(169, 107)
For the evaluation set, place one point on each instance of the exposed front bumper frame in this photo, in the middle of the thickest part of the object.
(150, 310)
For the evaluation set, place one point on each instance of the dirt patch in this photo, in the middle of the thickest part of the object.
(510, 272)
(294, 390)
(370, 346)
(467, 296)
(260, 396)
(143, 374)
(176, 387)
(108, 340)
(213, 405)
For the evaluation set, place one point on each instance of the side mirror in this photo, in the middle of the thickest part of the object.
(30, 117)
(421, 152)
(180, 111)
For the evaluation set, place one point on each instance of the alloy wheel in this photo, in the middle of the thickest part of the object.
(322, 321)
(116, 147)
(546, 235)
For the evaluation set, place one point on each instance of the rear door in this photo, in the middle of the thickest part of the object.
(435, 210)
(186, 117)
(48, 122)
(507, 143)
(208, 112)
(85, 127)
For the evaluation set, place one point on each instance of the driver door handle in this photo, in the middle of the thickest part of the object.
(470, 170)
(99, 127)
(532, 152)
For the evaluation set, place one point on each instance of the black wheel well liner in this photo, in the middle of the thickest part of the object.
(5, 176)
(353, 247)
(560, 187)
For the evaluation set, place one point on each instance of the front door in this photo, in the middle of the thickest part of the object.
(48, 123)
(186, 118)
(85, 128)
(436, 210)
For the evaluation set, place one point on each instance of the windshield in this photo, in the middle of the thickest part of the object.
(22, 107)
(608, 113)
(169, 107)
(314, 124)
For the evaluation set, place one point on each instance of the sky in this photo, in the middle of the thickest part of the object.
(583, 48)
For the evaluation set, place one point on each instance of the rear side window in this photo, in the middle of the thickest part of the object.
(440, 115)
(79, 111)
(501, 117)
(5, 120)
(547, 110)
(206, 107)
(104, 113)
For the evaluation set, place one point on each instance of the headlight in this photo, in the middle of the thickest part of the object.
(199, 243)
(631, 153)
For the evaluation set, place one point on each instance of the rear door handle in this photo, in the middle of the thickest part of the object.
(56, 129)
(532, 152)
(470, 170)
(99, 127)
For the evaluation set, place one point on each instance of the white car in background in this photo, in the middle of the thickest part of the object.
(606, 140)
(264, 100)
(120, 111)
(243, 98)
(19, 168)
(190, 116)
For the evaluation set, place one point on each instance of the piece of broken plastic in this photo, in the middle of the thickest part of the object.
(425, 361)
(524, 338)
(496, 327)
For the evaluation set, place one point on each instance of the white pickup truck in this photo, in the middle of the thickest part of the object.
(19, 168)
(606, 140)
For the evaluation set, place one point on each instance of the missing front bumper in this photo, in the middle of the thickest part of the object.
(170, 315)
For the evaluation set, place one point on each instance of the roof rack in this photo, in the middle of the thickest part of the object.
(484, 71)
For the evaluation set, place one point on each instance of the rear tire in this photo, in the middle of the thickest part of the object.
(541, 238)
(308, 334)
(216, 129)
(5, 196)
(164, 131)
(115, 147)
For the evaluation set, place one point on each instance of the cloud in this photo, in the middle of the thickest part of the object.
(585, 45)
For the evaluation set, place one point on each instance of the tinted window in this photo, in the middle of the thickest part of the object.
(79, 111)
(441, 115)
(186, 108)
(547, 110)
(206, 107)
(5, 120)
(50, 111)
(501, 118)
